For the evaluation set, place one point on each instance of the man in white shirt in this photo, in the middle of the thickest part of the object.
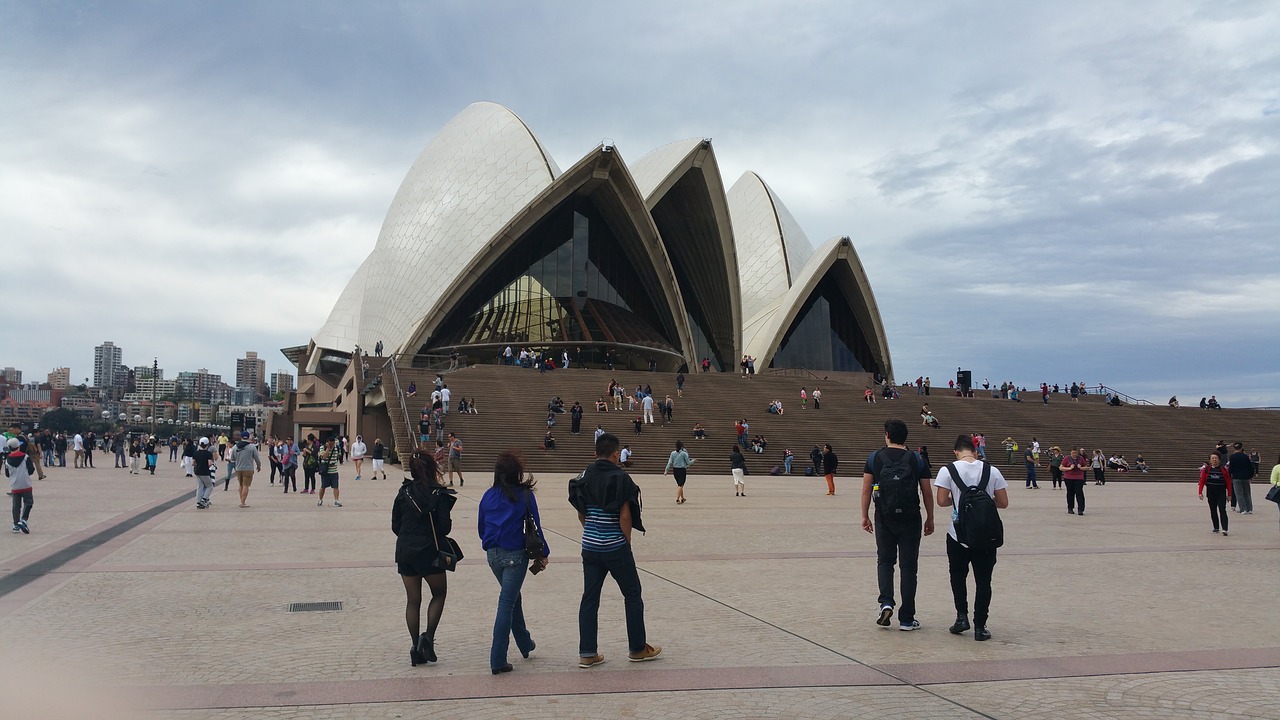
(648, 408)
(77, 444)
(445, 395)
(959, 556)
(624, 456)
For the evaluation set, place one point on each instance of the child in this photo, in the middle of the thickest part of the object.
(19, 468)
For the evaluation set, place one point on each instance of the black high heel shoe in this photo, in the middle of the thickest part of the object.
(416, 658)
(426, 648)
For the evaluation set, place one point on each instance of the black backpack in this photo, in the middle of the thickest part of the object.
(978, 524)
(898, 481)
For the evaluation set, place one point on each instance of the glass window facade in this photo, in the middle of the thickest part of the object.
(825, 335)
(569, 280)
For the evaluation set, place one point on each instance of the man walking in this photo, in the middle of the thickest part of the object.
(77, 446)
(896, 479)
(455, 459)
(647, 404)
(202, 463)
(19, 468)
(245, 460)
(970, 472)
(1028, 459)
(1242, 472)
(608, 505)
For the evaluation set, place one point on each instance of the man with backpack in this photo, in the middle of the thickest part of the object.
(896, 478)
(975, 490)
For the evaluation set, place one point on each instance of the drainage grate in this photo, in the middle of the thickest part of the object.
(315, 607)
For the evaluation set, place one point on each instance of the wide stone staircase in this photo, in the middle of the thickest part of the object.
(512, 404)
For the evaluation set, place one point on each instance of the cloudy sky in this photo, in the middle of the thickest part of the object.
(1038, 191)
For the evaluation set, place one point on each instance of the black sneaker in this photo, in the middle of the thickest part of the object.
(961, 624)
(981, 633)
(886, 614)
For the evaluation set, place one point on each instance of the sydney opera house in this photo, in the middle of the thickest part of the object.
(488, 243)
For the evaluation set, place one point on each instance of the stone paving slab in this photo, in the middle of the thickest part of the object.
(763, 604)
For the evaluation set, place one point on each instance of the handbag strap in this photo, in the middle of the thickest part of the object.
(431, 518)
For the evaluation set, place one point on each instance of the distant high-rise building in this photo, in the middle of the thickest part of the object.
(251, 372)
(281, 382)
(60, 378)
(13, 375)
(145, 371)
(106, 364)
(199, 385)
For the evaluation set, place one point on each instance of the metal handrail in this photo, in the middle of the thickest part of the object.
(404, 407)
(1132, 400)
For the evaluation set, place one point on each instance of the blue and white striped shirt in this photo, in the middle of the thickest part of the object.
(602, 531)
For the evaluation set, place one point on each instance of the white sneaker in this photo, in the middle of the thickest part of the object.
(337, 504)
(320, 503)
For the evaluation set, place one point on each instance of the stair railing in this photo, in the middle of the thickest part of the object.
(400, 398)
(1103, 389)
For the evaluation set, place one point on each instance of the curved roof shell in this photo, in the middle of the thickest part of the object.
(685, 195)
(837, 256)
(481, 168)
(771, 247)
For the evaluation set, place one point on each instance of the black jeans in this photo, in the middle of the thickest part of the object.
(898, 541)
(959, 558)
(621, 564)
(22, 502)
(1217, 497)
(1075, 494)
(1100, 476)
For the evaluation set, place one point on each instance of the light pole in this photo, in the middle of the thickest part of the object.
(155, 370)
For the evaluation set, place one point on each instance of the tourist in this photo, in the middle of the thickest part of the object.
(77, 446)
(310, 465)
(738, 468)
(647, 405)
(1073, 474)
(599, 431)
(896, 479)
(455, 460)
(330, 458)
(817, 399)
(1028, 460)
(445, 395)
(601, 405)
(548, 442)
(1216, 478)
(501, 524)
(787, 458)
(699, 433)
(1173, 401)
(804, 398)
(273, 457)
(678, 463)
(1275, 478)
(967, 470)
(668, 411)
(413, 389)
(829, 465)
(1241, 470)
(1140, 464)
(228, 460)
(118, 446)
(153, 453)
(575, 417)
(379, 457)
(20, 469)
(1099, 465)
(815, 461)
(679, 385)
(869, 396)
(188, 455)
(358, 451)
(624, 456)
(244, 456)
(421, 523)
(608, 505)
(1009, 447)
(135, 456)
(1055, 466)
(288, 454)
(202, 466)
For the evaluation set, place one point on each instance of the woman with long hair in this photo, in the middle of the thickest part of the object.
(501, 525)
(420, 519)
(1099, 464)
(678, 462)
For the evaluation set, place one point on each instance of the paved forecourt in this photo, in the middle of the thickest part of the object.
(764, 606)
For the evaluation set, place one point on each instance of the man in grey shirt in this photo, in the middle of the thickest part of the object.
(245, 459)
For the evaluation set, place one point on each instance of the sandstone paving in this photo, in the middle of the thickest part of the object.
(782, 581)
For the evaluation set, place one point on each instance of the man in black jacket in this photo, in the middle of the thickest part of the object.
(608, 505)
(1241, 468)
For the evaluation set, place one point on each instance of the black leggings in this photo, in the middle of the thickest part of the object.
(287, 474)
(1099, 476)
(1217, 497)
(1075, 494)
(308, 480)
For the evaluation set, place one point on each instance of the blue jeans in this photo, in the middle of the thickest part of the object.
(509, 567)
(786, 462)
(621, 564)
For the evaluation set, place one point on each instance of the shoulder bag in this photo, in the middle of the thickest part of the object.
(532, 540)
(1274, 494)
(446, 558)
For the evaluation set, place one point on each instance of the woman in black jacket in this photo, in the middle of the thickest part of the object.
(420, 520)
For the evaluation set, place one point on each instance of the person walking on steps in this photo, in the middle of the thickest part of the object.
(738, 467)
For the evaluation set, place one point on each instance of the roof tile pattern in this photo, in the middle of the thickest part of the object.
(479, 171)
(768, 239)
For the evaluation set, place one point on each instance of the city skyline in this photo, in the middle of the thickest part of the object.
(1032, 188)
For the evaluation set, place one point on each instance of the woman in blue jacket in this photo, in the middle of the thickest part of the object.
(501, 525)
